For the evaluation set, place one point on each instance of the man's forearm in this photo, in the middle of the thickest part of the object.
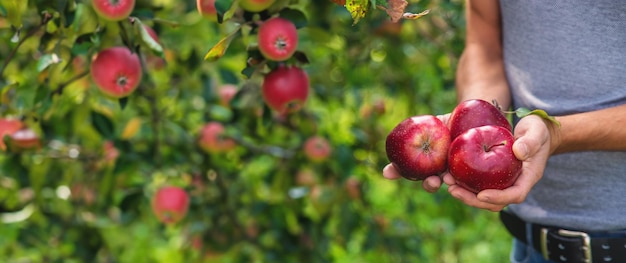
(480, 73)
(481, 76)
(602, 130)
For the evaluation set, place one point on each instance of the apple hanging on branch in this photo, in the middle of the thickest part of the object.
(285, 89)
(116, 71)
(317, 148)
(277, 39)
(170, 204)
(8, 126)
(113, 10)
(19, 136)
(207, 9)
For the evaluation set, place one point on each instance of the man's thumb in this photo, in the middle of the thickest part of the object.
(520, 149)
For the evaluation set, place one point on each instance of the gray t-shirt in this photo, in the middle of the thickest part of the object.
(568, 57)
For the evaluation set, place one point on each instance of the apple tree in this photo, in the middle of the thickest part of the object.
(225, 131)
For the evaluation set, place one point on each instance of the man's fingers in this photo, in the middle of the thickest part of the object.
(512, 195)
(531, 134)
(431, 184)
(469, 198)
(448, 179)
(390, 172)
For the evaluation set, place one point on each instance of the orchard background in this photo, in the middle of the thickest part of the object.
(84, 193)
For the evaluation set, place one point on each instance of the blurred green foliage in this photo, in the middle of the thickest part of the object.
(71, 201)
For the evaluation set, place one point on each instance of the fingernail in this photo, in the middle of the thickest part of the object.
(524, 150)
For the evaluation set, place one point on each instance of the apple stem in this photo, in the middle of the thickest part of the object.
(488, 148)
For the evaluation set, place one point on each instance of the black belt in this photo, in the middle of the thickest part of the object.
(562, 245)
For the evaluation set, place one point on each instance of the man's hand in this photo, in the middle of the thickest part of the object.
(535, 140)
(430, 184)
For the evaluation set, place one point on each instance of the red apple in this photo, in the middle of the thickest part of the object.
(8, 127)
(170, 204)
(482, 158)
(212, 138)
(418, 147)
(353, 187)
(306, 177)
(25, 138)
(285, 89)
(207, 9)
(317, 149)
(82, 192)
(277, 39)
(255, 5)
(475, 113)
(377, 108)
(339, 2)
(109, 152)
(116, 71)
(113, 10)
(226, 93)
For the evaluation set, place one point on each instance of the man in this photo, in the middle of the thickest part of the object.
(568, 58)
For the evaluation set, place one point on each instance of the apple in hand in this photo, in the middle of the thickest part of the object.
(255, 5)
(116, 71)
(212, 138)
(317, 149)
(285, 89)
(475, 113)
(277, 39)
(482, 158)
(113, 10)
(170, 204)
(418, 147)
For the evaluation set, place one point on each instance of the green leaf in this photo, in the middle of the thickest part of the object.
(46, 60)
(222, 7)
(218, 51)
(85, 20)
(248, 71)
(3, 11)
(147, 39)
(103, 125)
(296, 16)
(357, 8)
(14, 10)
(301, 57)
(123, 102)
(81, 48)
(523, 112)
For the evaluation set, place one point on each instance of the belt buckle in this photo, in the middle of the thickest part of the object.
(567, 233)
